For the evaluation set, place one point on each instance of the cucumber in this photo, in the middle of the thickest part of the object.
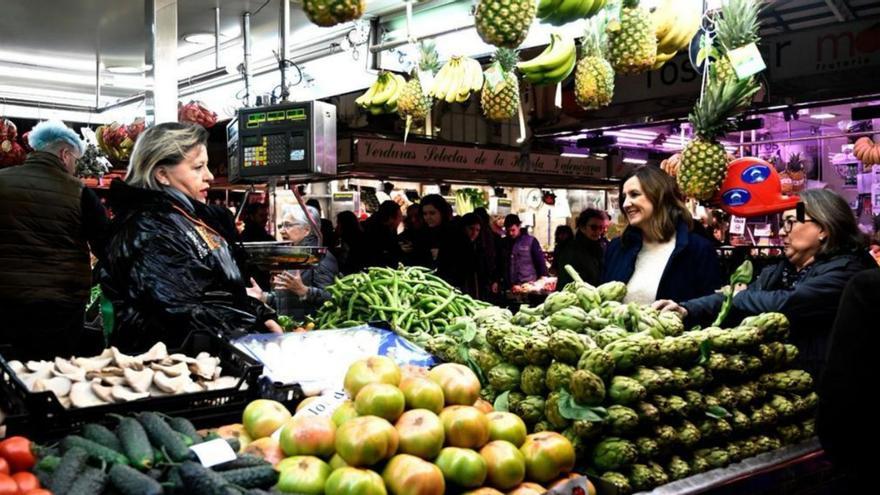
(200, 480)
(163, 437)
(252, 477)
(243, 461)
(185, 439)
(91, 482)
(183, 425)
(94, 450)
(72, 463)
(235, 444)
(129, 481)
(135, 443)
(100, 434)
(173, 482)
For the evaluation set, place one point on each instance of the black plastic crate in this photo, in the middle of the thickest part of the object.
(41, 416)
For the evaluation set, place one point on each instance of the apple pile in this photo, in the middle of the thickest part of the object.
(412, 435)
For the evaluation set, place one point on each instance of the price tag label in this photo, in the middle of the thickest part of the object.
(325, 405)
(214, 452)
(494, 76)
(763, 230)
(746, 60)
(737, 225)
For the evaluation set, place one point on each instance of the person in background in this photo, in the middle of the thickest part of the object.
(409, 238)
(171, 266)
(491, 247)
(328, 233)
(441, 244)
(823, 250)
(844, 424)
(299, 293)
(49, 221)
(584, 253)
(380, 232)
(349, 251)
(478, 274)
(658, 255)
(522, 254)
(256, 217)
(561, 236)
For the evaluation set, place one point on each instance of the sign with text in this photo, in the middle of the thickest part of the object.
(430, 155)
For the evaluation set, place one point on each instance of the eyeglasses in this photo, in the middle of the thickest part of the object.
(287, 225)
(789, 222)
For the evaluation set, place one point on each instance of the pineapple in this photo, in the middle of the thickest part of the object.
(738, 27)
(593, 77)
(632, 43)
(502, 103)
(704, 160)
(326, 13)
(413, 104)
(504, 23)
(794, 170)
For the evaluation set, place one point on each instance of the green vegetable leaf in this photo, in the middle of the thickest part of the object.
(501, 402)
(705, 350)
(569, 409)
(466, 358)
(717, 412)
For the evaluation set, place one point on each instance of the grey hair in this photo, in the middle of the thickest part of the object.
(834, 215)
(163, 144)
(295, 215)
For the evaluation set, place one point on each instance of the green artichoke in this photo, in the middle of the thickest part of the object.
(734, 452)
(726, 396)
(587, 388)
(488, 394)
(648, 413)
(789, 433)
(716, 457)
(625, 390)
(530, 409)
(681, 380)
(567, 346)
(678, 350)
(775, 326)
(677, 468)
(746, 393)
(658, 474)
(695, 400)
(766, 443)
(551, 411)
(717, 362)
(626, 353)
(486, 359)
(571, 318)
(739, 421)
(711, 428)
(497, 331)
(543, 425)
(597, 361)
(665, 377)
(524, 319)
(806, 402)
(559, 301)
(492, 314)
(610, 334)
(588, 430)
(647, 447)
(504, 377)
(512, 349)
(688, 434)
(737, 364)
(784, 407)
(514, 398)
(665, 435)
(641, 477)
(612, 291)
(671, 406)
(444, 347)
(672, 323)
(791, 381)
(650, 350)
(700, 376)
(541, 327)
(808, 428)
(747, 448)
(533, 380)
(613, 453)
(581, 450)
(588, 297)
(764, 416)
(559, 376)
(537, 351)
(648, 378)
(621, 420)
(618, 481)
(699, 465)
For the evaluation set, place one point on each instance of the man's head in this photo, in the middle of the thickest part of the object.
(472, 225)
(592, 223)
(52, 136)
(512, 225)
(256, 213)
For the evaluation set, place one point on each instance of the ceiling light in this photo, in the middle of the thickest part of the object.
(823, 116)
(127, 69)
(635, 161)
(602, 155)
(200, 38)
(632, 132)
(574, 155)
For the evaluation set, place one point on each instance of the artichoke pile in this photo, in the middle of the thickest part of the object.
(643, 401)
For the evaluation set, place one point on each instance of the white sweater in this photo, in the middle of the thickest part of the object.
(652, 260)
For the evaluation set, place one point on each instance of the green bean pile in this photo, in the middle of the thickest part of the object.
(415, 302)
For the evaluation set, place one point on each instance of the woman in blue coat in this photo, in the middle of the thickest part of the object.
(658, 256)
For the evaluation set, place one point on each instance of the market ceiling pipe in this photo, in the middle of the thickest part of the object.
(283, 49)
(246, 66)
(216, 37)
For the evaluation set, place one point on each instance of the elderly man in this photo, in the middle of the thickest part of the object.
(48, 222)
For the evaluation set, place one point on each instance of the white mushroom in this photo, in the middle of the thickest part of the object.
(103, 392)
(218, 372)
(191, 387)
(58, 385)
(139, 380)
(112, 380)
(17, 366)
(75, 374)
(93, 364)
(124, 360)
(65, 367)
(155, 392)
(204, 366)
(181, 358)
(202, 355)
(156, 353)
(171, 385)
(175, 369)
(82, 395)
(65, 402)
(125, 394)
(222, 382)
(36, 366)
(106, 353)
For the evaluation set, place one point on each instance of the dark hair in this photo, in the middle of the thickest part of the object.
(440, 204)
(590, 213)
(667, 199)
(512, 219)
(387, 210)
(314, 203)
(834, 215)
(563, 229)
(483, 213)
(252, 208)
(470, 219)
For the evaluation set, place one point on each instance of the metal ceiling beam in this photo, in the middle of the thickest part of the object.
(840, 9)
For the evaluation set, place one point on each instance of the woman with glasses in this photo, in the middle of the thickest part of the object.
(171, 262)
(658, 255)
(823, 250)
(297, 293)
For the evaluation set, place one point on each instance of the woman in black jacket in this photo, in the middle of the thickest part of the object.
(442, 244)
(171, 262)
(823, 250)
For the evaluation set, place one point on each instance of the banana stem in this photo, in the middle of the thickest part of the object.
(522, 123)
(408, 124)
(558, 99)
(429, 124)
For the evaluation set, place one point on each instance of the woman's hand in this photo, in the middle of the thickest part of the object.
(256, 292)
(291, 282)
(273, 326)
(668, 305)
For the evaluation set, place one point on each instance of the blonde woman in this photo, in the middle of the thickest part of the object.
(171, 267)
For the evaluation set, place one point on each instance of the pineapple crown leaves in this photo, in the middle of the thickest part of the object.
(720, 102)
(594, 36)
(795, 162)
(429, 59)
(507, 59)
(630, 4)
(739, 24)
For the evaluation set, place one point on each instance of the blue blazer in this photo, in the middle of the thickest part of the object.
(692, 270)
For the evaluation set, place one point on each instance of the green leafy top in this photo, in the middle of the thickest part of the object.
(795, 163)
(720, 102)
(739, 24)
(429, 58)
(594, 36)
(507, 58)
(630, 4)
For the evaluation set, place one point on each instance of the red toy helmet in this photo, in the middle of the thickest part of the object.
(752, 188)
